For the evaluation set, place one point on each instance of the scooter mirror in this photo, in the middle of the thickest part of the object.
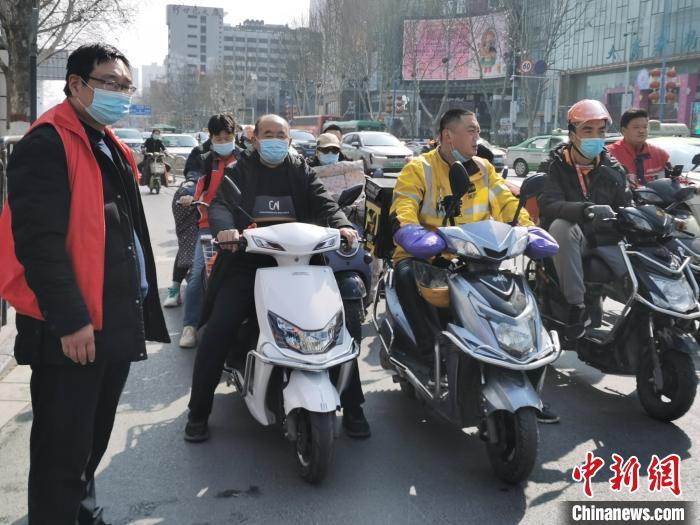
(696, 159)
(350, 195)
(459, 179)
(504, 173)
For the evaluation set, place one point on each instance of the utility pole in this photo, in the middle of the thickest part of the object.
(626, 102)
(34, 28)
(664, 36)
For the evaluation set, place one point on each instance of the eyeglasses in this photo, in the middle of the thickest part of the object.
(111, 85)
(329, 149)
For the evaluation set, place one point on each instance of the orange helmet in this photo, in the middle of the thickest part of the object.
(586, 110)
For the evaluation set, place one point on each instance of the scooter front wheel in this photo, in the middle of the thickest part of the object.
(514, 453)
(314, 444)
(679, 386)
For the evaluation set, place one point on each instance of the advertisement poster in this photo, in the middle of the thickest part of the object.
(458, 49)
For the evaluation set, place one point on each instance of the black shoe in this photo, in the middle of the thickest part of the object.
(196, 432)
(94, 518)
(546, 415)
(355, 423)
(577, 321)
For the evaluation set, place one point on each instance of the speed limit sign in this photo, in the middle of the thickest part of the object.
(525, 66)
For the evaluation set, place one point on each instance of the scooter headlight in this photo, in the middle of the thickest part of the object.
(672, 294)
(464, 248)
(288, 335)
(515, 337)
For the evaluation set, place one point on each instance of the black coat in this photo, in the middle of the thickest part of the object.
(563, 197)
(40, 197)
(312, 204)
(194, 160)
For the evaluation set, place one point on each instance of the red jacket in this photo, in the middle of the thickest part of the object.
(85, 240)
(655, 160)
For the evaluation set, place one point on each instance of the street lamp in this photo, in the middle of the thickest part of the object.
(627, 103)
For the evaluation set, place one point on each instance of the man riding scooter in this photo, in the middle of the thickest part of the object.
(151, 146)
(418, 209)
(584, 185)
(644, 162)
(276, 187)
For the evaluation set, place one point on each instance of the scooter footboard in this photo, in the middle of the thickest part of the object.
(312, 391)
(508, 390)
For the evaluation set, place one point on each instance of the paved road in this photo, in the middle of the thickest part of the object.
(414, 469)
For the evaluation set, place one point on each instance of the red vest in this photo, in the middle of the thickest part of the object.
(207, 195)
(85, 239)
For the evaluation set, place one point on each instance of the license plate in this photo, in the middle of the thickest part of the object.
(395, 164)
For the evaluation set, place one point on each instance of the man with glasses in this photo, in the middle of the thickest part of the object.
(78, 268)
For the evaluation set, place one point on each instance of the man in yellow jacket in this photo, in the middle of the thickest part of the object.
(418, 209)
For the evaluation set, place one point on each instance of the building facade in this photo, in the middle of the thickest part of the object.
(642, 53)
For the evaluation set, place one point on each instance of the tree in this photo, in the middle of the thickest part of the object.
(540, 26)
(61, 25)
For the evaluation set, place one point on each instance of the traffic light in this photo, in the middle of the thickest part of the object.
(401, 102)
(389, 103)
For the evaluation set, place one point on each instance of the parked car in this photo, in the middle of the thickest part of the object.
(132, 138)
(376, 149)
(179, 147)
(680, 149)
(528, 155)
(304, 142)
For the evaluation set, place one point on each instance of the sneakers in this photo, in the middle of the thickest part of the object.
(188, 339)
(196, 432)
(355, 423)
(577, 321)
(546, 415)
(173, 299)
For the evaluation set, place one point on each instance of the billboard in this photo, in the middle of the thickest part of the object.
(456, 48)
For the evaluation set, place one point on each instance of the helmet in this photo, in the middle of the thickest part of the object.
(586, 110)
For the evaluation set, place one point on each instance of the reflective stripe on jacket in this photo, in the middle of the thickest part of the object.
(425, 182)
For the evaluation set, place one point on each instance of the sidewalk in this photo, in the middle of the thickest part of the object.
(14, 380)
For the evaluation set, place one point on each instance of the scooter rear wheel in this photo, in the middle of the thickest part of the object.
(514, 454)
(680, 385)
(314, 445)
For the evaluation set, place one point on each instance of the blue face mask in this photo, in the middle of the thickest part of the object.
(273, 151)
(108, 106)
(222, 150)
(591, 148)
(328, 158)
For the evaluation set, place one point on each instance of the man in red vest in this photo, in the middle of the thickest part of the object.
(644, 162)
(78, 268)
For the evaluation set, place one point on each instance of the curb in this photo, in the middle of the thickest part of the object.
(7, 340)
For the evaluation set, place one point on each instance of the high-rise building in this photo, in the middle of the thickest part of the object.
(194, 38)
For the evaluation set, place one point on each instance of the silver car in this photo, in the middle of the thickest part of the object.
(179, 146)
(376, 149)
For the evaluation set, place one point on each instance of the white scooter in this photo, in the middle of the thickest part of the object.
(286, 376)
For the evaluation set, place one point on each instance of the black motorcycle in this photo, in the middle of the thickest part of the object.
(642, 287)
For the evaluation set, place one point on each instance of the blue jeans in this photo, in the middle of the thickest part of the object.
(194, 296)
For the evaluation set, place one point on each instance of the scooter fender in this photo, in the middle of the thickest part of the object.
(508, 390)
(351, 285)
(312, 391)
(685, 343)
